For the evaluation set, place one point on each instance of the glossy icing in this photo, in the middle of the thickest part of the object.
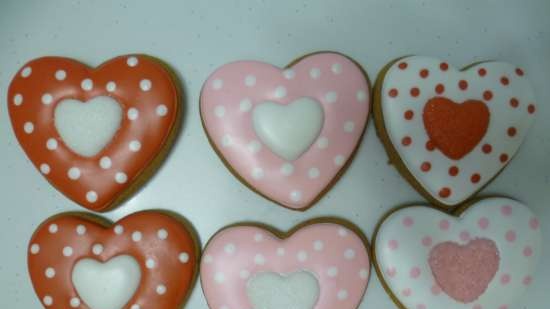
(455, 130)
(485, 258)
(147, 96)
(296, 173)
(162, 247)
(333, 254)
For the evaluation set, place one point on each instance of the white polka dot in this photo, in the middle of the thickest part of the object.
(295, 195)
(313, 173)
(132, 61)
(51, 144)
(349, 254)
(332, 272)
(67, 251)
(60, 75)
(26, 72)
(105, 162)
(259, 259)
(289, 73)
(162, 234)
(35, 248)
(47, 99)
(45, 168)
(183, 257)
(111, 86)
(74, 173)
(161, 289)
(75, 302)
(280, 251)
(121, 177)
(162, 110)
(97, 249)
(134, 146)
(331, 97)
(349, 126)
(208, 259)
(49, 273)
(229, 248)
(287, 169)
(315, 73)
(280, 92)
(336, 68)
(257, 173)
(258, 237)
(145, 85)
(53, 228)
(301, 256)
(318, 245)
(132, 113)
(363, 273)
(227, 140)
(217, 84)
(219, 277)
(136, 236)
(219, 111)
(150, 263)
(91, 196)
(322, 143)
(339, 160)
(17, 99)
(135, 306)
(81, 229)
(245, 105)
(119, 229)
(254, 147)
(342, 294)
(28, 127)
(244, 274)
(87, 84)
(47, 300)
(361, 96)
(250, 80)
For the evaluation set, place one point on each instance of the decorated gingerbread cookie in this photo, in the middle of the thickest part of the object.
(318, 266)
(483, 258)
(450, 131)
(95, 134)
(146, 260)
(287, 133)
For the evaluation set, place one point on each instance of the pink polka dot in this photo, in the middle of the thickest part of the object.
(503, 307)
(406, 292)
(391, 272)
(534, 223)
(444, 224)
(477, 306)
(527, 251)
(415, 272)
(527, 280)
(408, 221)
(420, 306)
(427, 241)
(464, 236)
(506, 210)
(483, 223)
(511, 236)
(436, 290)
(393, 244)
(505, 279)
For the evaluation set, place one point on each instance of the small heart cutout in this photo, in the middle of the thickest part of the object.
(298, 290)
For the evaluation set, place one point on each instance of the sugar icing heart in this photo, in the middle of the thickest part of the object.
(237, 260)
(484, 258)
(95, 157)
(145, 260)
(450, 131)
(291, 161)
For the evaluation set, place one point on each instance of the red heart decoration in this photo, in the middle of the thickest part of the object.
(454, 128)
(148, 97)
(162, 246)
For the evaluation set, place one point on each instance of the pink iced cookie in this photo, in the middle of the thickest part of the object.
(287, 133)
(485, 258)
(320, 266)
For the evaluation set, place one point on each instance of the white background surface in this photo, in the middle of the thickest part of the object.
(195, 37)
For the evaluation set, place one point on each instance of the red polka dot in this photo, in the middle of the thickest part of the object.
(408, 221)
(403, 65)
(512, 131)
(406, 292)
(483, 223)
(393, 244)
(443, 66)
(475, 178)
(424, 73)
(527, 251)
(514, 102)
(504, 80)
(519, 72)
(505, 279)
(439, 88)
(527, 280)
(445, 192)
(393, 93)
(415, 272)
(503, 157)
(406, 141)
(453, 171)
(477, 306)
(488, 95)
(531, 108)
(506, 210)
(409, 115)
(511, 236)
(464, 236)
(425, 167)
(487, 148)
(391, 271)
(482, 72)
(415, 92)
(444, 224)
(534, 223)
(430, 146)
(463, 85)
(420, 306)
(427, 241)
(503, 307)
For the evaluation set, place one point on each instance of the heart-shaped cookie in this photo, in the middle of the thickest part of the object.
(287, 133)
(326, 264)
(483, 258)
(449, 131)
(95, 134)
(147, 259)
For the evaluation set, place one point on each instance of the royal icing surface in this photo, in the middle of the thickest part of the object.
(69, 255)
(334, 255)
(148, 99)
(485, 258)
(455, 130)
(281, 152)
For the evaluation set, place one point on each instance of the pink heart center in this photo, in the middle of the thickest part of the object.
(464, 271)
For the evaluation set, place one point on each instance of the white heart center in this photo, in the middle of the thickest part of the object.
(107, 285)
(87, 127)
(288, 130)
(267, 290)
